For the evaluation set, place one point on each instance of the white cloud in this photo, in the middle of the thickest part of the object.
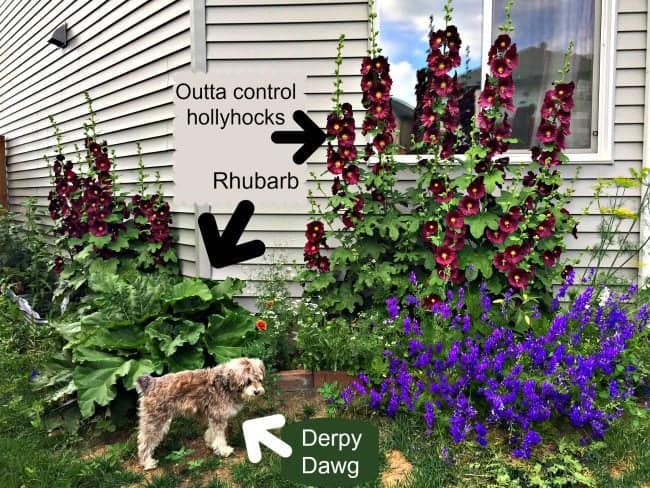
(403, 75)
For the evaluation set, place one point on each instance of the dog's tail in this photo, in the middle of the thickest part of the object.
(143, 383)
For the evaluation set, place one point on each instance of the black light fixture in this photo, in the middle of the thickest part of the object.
(59, 36)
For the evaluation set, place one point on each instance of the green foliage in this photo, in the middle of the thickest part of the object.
(25, 256)
(135, 323)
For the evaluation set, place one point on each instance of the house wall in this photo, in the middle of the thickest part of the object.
(122, 52)
(126, 52)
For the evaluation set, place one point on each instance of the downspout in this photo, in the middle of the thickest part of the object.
(644, 218)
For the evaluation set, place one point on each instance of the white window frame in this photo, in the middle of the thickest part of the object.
(603, 152)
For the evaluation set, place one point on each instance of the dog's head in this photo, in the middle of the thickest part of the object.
(245, 376)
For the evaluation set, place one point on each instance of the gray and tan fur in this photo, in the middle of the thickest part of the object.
(214, 393)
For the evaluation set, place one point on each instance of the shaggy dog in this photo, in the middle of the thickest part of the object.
(215, 393)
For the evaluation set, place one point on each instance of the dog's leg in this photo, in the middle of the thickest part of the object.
(217, 430)
(152, 431)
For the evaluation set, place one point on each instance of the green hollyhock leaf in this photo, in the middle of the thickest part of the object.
(491, 180)
(225, 335)
(477, 223)
(187, 357)
(227, 288)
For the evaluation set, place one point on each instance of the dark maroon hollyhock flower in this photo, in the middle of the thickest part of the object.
(315, 231)
(451, 123)
(440, 65)
(445, 256)
(334, 124)
(428, 117)
(545, 229)
(512, 57)
(487, 97)
(380, 111)
(515, 213)
(346, 109)
(311, 248)
(443, 85)
(548, 258)
(349, 153)
(335, 163)
(544, 189)
(500, 68)
(95, 149)
(347, 220)
(505, 88)
(58, 264)
(529, 203)
(378, 197)
(548, 159)
(495, 236)
(346, 137)
(502, 42)
(378, 93)
(455, 219)
(380, 64)
(566, 271)
(557, 252)
(455, 243)
(98, 227)
(351, 174)
(102, 163)
(448, 143)
(336, 186)
(481, 167)
(457, 276)
(429, 301)
(366, 65)
(514, 254)
(476, 188)
(57, 167)
(507, 224)
(468, 206)
(163, 211)
(431, 136)
(529, 179)
(369, 123)
(381, 141)
(501, 262)
(323, 264)
(549, 106)
(547, 132)
(437, 186)
(519, 278)
(93, 192)
(358, 206)
(436, 39)
(485, 123)
(429, 228)
(367, 81)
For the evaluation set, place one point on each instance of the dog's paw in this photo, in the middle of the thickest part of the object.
(224, 451)
(150, 464)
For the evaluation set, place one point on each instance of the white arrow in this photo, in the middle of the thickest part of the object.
(256, 433)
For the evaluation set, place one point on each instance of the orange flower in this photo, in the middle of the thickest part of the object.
(269, 304)
(260, 325)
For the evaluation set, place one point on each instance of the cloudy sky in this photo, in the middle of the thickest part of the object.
(404, 25)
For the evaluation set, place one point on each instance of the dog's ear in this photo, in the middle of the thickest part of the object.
(259, 365)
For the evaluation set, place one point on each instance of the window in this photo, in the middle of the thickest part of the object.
(544, 29)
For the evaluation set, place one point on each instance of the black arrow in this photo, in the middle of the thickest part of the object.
(223, 249)
(310, 137)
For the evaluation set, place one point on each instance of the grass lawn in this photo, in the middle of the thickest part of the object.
(99, 456)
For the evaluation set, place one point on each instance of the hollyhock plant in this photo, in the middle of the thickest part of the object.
(92, 216)
(455, 222)
(463, 368)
